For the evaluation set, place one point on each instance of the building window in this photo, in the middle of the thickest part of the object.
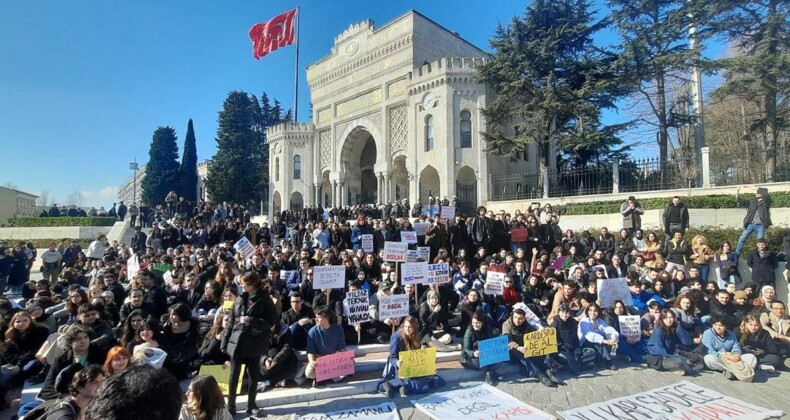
(276, 169)
(466, 129)
(297, 167)
(429, 133)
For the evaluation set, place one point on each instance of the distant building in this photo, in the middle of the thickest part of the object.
(126, 191)
(16, 203)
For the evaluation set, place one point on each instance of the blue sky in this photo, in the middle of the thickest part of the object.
(83, 84)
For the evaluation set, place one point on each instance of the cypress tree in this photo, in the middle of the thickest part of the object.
(188, 169)
(161, 172)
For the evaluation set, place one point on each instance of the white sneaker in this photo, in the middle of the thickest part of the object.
(263, 385)
(767, 368)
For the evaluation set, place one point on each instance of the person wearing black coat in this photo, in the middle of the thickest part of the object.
(79, 347)
(757, 219)
(434, 320)
(470, 354)
(21, 343)
(251, 319)
(280, 362)
(481, 231)
(757, 341)
(458, 235)
(153, 293)
(763, 263)
(570, 352)
(182, 335)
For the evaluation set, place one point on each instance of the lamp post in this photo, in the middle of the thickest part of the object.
(134, 166)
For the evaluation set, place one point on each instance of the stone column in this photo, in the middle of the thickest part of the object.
(615, 176)
(334, 194)
(342, 193)
(705, 151)
(388, 187)
(379, 188)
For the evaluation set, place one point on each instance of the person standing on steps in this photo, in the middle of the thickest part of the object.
(757, 219)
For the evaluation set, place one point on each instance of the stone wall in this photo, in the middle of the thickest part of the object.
(71, 232)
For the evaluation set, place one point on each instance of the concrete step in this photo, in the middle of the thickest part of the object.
(359, 351)
(375, 362)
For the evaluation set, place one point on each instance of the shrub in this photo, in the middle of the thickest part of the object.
(778, 199)
(60, 221)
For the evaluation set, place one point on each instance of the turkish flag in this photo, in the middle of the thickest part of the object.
(278, 32)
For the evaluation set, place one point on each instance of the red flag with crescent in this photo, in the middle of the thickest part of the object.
(268, 36)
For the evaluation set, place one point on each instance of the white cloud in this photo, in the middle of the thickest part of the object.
(103, 197)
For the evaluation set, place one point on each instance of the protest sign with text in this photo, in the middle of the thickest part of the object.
(222, 375)
(132, 266)
(495, 281)
(334, 365)
(610, 290)
(540, 343)
(408, 236)
(412, 256)
(393, 306)
(518, 235)
(245, 247)
(447, 213)
(395, 251)
(414, 273)
(630, 326)
(385, 411)
(355, 307)
(423, 253)
(417, 363)
(367, 242)
(421, 227)
(478, 402)
(493, 350)
(438, 273)
(329, 277)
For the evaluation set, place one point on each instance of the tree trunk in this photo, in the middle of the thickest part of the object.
(663, 130)
(771, 129)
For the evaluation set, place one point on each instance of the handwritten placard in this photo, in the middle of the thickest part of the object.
(385, 411)
(610, 290)
(395, 251)
(414, 273)
(630, 326)
(367, 242)
(245, 247)
(222, 376)
(423, 253)
(355, 307)
(334, 365)
(417, 363)
(132, 267)
(493, 350)
(329, 277)
(495, 282)
(412, 256)
(518, 235)
(408, 236)
(438, 273)
(447, 213)
(421, 227)
(540, 343)
(393, 306)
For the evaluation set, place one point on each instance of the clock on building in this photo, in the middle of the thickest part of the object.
(429, 100)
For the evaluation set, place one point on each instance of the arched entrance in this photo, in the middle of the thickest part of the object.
(277, 203)
(466, 191)
(326, 190)
(400, 176)
(358, 157)
(297, 201)
(429, 184)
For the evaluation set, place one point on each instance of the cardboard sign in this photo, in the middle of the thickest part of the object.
(630, 326)
(414, 273)
(417, 363)
(334, 365)
(518, 235)
(160, 269)
(480, 402)
(386, 411)
(495, 282)
(683, 400)
(412, 256)
(227, 305)
(494, 350)
(329, 277)
(438, 273)
(245, 247)
(447, 213)
(285, 274)
(610, 290)
(222, 376)
(540, 343)
(393, 306)
(408, 236)
(421, 227)
(367, 242)
(423, 253)
(558, 263)
(132, 267)
(355, 307)
(395, 251)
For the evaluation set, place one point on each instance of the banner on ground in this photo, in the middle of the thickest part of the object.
(393, 306)
(334, 365)
(630, 326)
(447, 213)
(540, 343)
(408, 236)
(610, 290)
(355, 307)
(495, 281)
(414, 273)
(222, 376)
(417, 363)
(245, 247)
(395, 251)
(438, 273)
(478, 402)
(367, 242)
(386, 411)
(493, 350)
(329, 277)
(420, 228)
(683, 400)
(423, 253)
(518, 235)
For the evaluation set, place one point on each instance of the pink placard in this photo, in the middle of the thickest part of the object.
(334, 365)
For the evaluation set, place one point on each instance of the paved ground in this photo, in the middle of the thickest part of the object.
(769, 392)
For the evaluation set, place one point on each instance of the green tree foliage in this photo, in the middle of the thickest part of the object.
(759, 71)
(239, 170)
(550, 81)
(161, 171)
(188, 170)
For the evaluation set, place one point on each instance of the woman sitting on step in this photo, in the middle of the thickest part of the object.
(470, 355)
(407, 338)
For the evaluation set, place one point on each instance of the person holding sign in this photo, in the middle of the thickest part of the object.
(514, 328)
(435, 323)
(324, 338)
(407, 338)
(470, 355)
(629, 345)
(361, 228)
(595, 333)
(670, 347)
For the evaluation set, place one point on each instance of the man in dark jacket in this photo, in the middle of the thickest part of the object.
(138, 240)
(153, 293)
(514, 328)
(122, 210)
(722, 308)
(570, 352)
(80, 350)
(763, 263)
(757, 219)
(481, 230)
(675, 217)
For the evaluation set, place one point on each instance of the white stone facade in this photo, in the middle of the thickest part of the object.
(396, 114)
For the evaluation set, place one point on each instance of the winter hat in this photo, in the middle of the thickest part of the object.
(740, 294)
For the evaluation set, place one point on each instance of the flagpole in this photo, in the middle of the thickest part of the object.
(296, 68)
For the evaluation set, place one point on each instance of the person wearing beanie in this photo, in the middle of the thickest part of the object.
(757, 219)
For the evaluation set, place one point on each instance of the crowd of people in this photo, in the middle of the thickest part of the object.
(181, 297)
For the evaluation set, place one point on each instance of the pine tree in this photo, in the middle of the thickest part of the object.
(161, 172)
(188, 170)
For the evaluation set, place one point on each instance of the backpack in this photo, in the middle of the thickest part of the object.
(41, 411)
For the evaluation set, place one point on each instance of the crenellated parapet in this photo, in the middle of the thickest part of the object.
(446, 70)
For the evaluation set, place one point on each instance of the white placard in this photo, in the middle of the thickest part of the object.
(414, 273)
(355, 307)
(420, 228)
(423, 253)
(132, 267)
(412, 256)
(478, 402)
(447, 213)
(438, 273)
(367, 242)
(395, 251)
(284, 274)
(386, 411)
(408, 236)
(329, 277)
(393, 306)
(245, 247)
(630, 326)
(610, 290)
(495, 282)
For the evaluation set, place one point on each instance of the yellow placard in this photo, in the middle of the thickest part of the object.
(228, 304)
(540, 343)
(222, 376)
(417, 363)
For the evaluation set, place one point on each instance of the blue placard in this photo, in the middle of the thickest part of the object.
(493, 350)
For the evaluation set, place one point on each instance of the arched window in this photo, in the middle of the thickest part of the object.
(466, 129)
(276, 169)
(429, 133)
(297, 167)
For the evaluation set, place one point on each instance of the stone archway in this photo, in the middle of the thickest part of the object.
(400, 177)
(326, 190)
(466, 191)
(277, 203)
(357, 160)
(429, 184)
(297, 201)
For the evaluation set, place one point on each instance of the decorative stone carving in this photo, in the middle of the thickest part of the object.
(398, 128)
(325, 148)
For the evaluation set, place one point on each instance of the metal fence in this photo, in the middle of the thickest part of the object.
(731, 172)
(651, 175)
